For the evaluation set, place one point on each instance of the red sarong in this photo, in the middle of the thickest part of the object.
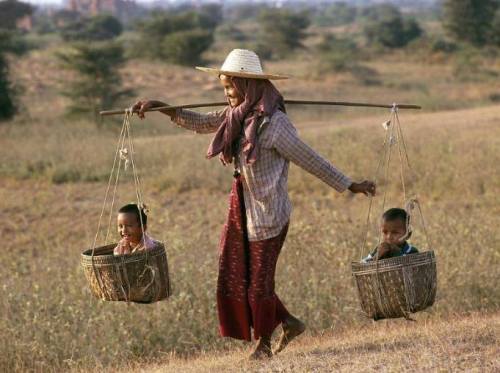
(245, 287)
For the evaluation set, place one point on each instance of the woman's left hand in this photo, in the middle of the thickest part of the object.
(366, 187)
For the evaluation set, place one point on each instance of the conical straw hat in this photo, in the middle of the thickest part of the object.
(244, 64)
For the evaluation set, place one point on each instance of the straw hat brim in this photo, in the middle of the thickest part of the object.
(242, 74)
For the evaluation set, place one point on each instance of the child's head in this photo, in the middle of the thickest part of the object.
(129, 223)
(393, 226)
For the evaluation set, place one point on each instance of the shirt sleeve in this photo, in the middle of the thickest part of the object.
(197, 122)
(289, 145)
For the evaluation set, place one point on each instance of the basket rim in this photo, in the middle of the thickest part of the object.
(384, 265)
(110, 259)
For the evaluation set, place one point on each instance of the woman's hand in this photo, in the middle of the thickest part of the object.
(366, 187)
(140, 107)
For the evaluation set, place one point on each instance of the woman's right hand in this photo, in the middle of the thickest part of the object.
(141, 106)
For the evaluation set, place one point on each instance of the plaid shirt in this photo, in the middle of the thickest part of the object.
(265, 188)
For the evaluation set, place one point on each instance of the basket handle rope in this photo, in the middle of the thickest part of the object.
(116, 162)
(394, 136)
(124, 138)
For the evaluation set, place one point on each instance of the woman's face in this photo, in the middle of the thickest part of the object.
(230, 91)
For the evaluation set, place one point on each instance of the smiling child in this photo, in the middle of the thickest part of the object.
(131, 231)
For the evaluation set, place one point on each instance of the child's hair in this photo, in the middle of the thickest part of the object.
(396, 214)
(132, 208)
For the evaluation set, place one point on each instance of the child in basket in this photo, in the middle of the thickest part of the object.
(394, 236)
(130, 230)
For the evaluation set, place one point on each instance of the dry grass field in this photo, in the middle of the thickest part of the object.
(53, 177)
(463, 344)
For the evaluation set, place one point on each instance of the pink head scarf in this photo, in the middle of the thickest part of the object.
(261, 99)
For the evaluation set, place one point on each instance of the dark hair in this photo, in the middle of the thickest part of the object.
(395, 214)
(132, 208)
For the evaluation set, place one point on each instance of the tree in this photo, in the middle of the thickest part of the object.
(386, 26)
(10, 43)
(469, 20)
(11, 11)
(97, 83)
(282, 32)
(7, 107)
(495, 29)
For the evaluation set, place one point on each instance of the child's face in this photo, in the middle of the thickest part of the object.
(129, 228)
(393, 231)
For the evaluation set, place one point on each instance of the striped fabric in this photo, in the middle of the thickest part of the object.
(265, 189)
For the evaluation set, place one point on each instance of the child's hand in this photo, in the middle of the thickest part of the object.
(366, 187)
(122, 248)
(385, 250)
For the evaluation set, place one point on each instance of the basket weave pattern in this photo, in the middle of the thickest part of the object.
(140, 277)
(396, 287)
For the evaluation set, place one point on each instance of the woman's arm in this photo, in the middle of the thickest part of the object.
(200, 123)
(289, 145)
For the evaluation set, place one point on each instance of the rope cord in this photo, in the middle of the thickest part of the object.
(137, 183)
(126, 155)
(367, 225)
(115, 189)
(96, 273)
(394, 135)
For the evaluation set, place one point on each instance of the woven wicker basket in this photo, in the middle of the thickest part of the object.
(140, 277)
(396, 287)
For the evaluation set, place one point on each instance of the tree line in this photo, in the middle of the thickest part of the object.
(96, 51)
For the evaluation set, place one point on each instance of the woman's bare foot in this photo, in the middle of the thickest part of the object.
(262, 349)
(292, 327)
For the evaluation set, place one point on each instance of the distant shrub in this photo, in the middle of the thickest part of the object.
(183, 36)
(337, 54)
(386, 26)
(7, 106)
(495, 97)
(336, 14)
(231, 32)
(470, 21)
(10, 43)
(282, 31)
(471, 64)
(343, 55)
(242, 11)
(11, 11)
(442, 45)
(98, 28)
(495, 29)
(186, 47)
(61, 176)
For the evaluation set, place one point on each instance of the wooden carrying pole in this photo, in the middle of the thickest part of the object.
(287, 102)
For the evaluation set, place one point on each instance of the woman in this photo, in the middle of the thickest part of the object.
(254, 133)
